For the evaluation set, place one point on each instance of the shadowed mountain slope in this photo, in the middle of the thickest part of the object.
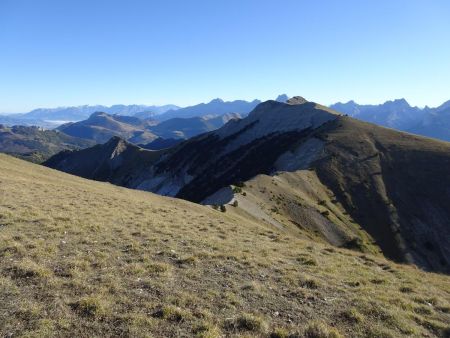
(112, 161)
(161, 143)
(369, 187)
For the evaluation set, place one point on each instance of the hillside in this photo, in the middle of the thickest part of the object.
(185, 128)
(36, 144)
(84, 258)
(100, 127)
(352, 184)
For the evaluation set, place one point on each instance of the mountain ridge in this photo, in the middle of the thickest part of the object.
(214, 107)
(358, 163)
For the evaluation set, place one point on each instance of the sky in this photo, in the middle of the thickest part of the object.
(63, 53)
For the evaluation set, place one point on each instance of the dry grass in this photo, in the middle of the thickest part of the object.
(81, 258)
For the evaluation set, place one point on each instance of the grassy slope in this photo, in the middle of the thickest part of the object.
(83, 258)
(301, 204)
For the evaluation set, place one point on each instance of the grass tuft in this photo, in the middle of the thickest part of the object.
(246, 322)
(90, 306)
(321, 330)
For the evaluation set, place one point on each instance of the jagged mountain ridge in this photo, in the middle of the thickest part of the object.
(436, 123)
(83, 112)
(399, 114)
(215, 107)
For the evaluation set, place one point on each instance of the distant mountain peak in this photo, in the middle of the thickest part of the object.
(398, 102)
(282, 98)
(98, 113)
(296, 100)
(218, 100)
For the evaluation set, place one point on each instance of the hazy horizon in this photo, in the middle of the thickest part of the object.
(173, 52)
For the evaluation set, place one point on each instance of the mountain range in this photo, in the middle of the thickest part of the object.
(52, 117)
(215, 107)
(305, 168)
(397, 114)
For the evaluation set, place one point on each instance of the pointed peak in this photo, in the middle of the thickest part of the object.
(402, 100)
(115, 141)
(398, 102)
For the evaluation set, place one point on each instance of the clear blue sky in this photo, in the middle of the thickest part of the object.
(73, 52)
